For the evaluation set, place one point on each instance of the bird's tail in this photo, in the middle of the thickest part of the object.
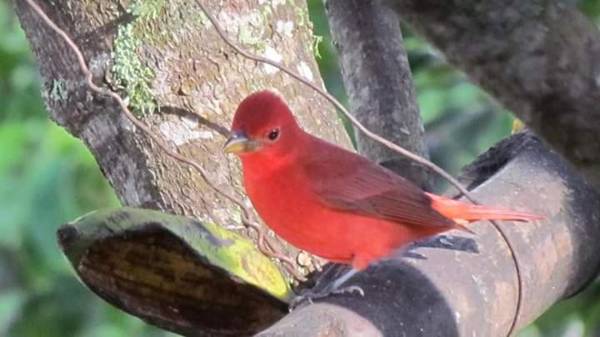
(461, 211)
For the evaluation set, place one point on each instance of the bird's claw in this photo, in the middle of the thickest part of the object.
(349, 290)
(309, 296)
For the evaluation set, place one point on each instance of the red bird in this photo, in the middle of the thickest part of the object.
(332, 202)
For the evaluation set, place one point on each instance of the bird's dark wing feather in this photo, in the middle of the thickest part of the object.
(354, 184)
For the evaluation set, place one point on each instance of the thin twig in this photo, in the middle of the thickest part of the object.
(246, 214)
(399, 149)
(336, 103)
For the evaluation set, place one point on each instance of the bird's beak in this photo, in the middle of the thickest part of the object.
(238, 142)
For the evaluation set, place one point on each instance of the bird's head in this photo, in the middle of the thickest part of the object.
(263, 124)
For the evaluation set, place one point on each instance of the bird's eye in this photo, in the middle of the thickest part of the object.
(273, 134)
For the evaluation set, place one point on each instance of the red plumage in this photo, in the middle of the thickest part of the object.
(332, 202)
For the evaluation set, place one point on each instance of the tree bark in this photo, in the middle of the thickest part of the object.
(378, 80)
(169, 61)
(538, 58)
(174, 272)
(467, 285)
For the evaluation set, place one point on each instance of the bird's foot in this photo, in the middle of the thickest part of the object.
(310, 296)
(349, 290)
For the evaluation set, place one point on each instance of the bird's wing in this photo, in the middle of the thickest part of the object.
(345, 181)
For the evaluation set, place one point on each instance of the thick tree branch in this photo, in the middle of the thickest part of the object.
(466, 286)
(378, 80)
(539, 58)
(193, 278)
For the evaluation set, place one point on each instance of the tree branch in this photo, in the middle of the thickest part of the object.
(538, 58)
(467, 285)
(180, 274)
(378, 80)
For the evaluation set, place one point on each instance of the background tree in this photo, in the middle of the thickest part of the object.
(443, 111)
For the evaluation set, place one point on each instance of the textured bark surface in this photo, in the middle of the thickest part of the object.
(170, 52)
(538, 58)
(378, 80)
(461, 285)
(177, 273)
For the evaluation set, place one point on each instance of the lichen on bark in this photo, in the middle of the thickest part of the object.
(129, 74)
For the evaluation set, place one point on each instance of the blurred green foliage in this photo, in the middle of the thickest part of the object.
(48, 177)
